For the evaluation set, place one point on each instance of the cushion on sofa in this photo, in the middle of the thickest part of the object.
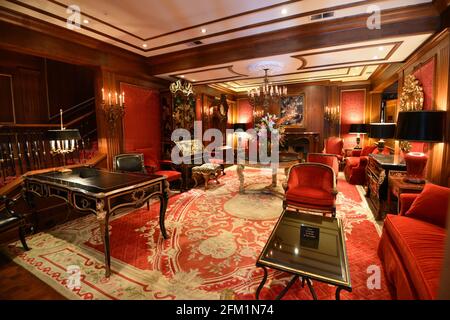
(431, 205)
(421, 247)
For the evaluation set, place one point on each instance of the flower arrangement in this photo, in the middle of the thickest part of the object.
(270, 123)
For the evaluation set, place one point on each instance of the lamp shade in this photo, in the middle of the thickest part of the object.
(240, 126)
(67, 134)
(360, 128)
(426, 126)
(382, 130)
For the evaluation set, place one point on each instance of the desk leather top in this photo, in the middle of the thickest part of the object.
(94, 180)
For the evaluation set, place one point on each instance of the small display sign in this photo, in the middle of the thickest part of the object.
(309, 236)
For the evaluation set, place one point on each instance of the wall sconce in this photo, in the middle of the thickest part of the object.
(114, 108)
(332, 114)
(63, 141)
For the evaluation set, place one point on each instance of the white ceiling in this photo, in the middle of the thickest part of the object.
(351, 62)
(167, 26)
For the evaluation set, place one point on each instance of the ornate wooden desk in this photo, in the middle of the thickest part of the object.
(99, 192)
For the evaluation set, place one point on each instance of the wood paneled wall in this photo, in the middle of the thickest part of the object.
(32, 89)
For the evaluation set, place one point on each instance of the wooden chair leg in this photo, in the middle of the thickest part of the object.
(148, 205)
(22, 238)
(206, 177)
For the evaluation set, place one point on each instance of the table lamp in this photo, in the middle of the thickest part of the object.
(358, 129)
(382, 131)
(63, 141)
(419, 126)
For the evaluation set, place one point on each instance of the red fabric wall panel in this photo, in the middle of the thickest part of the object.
(142, 121)
(245, 112)
(352, 111)
(425, 75)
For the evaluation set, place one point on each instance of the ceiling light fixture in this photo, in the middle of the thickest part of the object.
(144, 45)
(203, 30)
(375, 57)
(284, 12)
(266, 95)
(381, 48)
(86, 21)
(182, 76)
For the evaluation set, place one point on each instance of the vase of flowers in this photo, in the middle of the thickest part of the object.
(268, 125)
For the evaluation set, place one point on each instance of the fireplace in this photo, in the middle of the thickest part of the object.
(301, 142)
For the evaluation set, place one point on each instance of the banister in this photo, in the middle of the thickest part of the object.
(86, 103)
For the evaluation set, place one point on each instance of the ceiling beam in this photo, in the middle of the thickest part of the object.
(396, 22)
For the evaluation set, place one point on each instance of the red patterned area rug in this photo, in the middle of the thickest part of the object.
(215, 239)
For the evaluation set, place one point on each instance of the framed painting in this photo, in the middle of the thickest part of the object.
(292, 111)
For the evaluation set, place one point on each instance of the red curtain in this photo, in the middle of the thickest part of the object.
(142, 121)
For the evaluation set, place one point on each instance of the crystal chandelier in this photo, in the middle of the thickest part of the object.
(266, 95)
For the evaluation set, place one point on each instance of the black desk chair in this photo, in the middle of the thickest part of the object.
(130, 163)
(9, 219)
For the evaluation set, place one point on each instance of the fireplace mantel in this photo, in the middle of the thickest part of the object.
(300, 141)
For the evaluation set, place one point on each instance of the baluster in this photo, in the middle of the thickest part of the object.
(44, 153)
(19, 156)
(37, 154)
(2, 164)
(11, 156)
(27, 153)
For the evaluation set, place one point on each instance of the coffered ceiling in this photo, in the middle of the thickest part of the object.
(155, 27)
(216, 42)
(352, 62)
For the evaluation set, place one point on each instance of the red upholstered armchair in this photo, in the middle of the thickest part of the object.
(160, 167)
(327, 159)
(355, 166)
(311, 186)
(334, 145)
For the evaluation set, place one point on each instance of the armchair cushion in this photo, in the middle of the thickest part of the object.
(431, 205)
(330, 160)
(335, 146)
(352, 162)
(315, 196)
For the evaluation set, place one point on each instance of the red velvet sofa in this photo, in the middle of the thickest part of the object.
(412, 245)
(355, 166)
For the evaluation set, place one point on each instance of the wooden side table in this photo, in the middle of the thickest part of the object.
(398, 185)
